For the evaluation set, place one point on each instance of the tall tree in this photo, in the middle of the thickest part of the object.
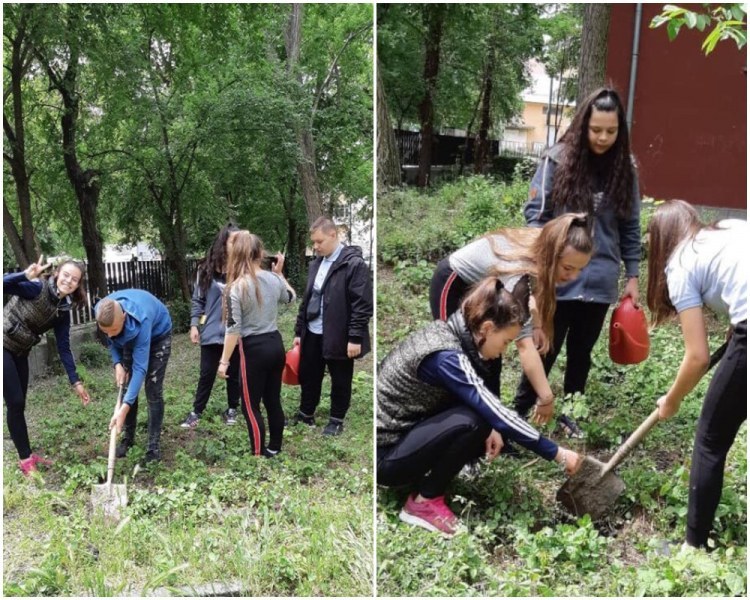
(62, 69)
(433, 18)
(23, 243)
(389, 162)
(593, 61)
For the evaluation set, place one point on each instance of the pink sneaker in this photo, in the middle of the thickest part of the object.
(432, 514)
(38, 460)
(27, 465)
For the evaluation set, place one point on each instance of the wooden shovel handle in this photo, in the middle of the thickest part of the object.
(634, 439)
(113, 442)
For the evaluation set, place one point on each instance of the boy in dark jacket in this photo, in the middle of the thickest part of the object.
(332, 324)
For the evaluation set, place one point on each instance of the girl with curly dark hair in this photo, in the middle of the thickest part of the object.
(207, 327)
(589, 170)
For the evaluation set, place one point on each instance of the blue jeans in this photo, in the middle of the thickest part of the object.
(158, 358)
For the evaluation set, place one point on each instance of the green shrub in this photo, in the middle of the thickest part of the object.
(93, 355)
(179, 310)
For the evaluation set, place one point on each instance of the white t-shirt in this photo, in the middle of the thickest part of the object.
(711, 270)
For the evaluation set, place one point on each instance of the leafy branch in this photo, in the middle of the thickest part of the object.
(728, 19)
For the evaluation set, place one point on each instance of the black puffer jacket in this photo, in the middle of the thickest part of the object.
(347, 304)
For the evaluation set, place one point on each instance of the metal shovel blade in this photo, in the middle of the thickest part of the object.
(590, 492)
(109, 498)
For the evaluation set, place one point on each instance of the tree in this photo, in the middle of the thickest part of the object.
(729, 23)
(389, 162)
(593, 61)
(24, 244)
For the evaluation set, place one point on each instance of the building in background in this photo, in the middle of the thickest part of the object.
(689, 123)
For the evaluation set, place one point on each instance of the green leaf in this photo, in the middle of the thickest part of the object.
(672, 30)
(691, 19)
(703, 22)
(735, 583)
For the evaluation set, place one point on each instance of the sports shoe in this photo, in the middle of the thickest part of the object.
(27, 465)
(569, 427)
(152, 456)
(191, 421)
(270, 453)
(230, 416)
(122, 448)
(304, 419)
(431, 514)
(334, 427)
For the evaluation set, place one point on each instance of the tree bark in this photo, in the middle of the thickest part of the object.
(480, 155)
(433, 17)
(389, 161)
(593, 61)
(25, 246)
(306, 168)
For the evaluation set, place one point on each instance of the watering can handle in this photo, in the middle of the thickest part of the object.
(113, 443)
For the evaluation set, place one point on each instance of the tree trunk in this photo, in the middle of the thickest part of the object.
(434, 15)
(25, 247)
(469, 127)
(593, 61)
(389, 161)
(480, 155)
(175, 248)
(306, 169)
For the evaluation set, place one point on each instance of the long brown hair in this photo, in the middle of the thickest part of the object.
(572, 188)
(672, 223)
(538, 253)
(490, 300)
(215, 260)
(78, 297)
(244, 251)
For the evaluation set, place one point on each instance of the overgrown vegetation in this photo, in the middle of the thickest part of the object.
(519, 540)
(300, 524)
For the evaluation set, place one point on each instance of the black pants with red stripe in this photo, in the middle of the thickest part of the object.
(262, 360)
(447, 290)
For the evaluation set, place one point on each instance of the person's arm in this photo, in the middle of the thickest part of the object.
(533, 367)
(62, 338)
(630, 244)
(694, 362)
(141, 350)
(453, 371)
(233, 330)
(286, 291)
(197, 310)
(16, 284)
(360, 295)
(538, 209)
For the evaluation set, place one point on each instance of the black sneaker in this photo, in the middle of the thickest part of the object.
(270, 453)
(191, 421)
(230, 416)
(304, 419)
(122, 448)
(569, 427)
(152, 456)
(334, 427)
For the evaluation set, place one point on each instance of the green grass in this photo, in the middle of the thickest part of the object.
(297, 525)
(519, 540)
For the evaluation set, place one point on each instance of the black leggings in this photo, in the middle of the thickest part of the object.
(210, 357)
(432, 453)
(581, 322)
(724, 410)
(262, 359)
(15, 385)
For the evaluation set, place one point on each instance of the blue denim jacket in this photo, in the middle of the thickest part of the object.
(615, 239)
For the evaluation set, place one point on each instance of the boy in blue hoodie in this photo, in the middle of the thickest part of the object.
(139, 331)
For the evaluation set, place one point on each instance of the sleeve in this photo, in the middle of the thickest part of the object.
(453, 371)
(62, 337)
(538, 209)
(141, 349)
(286, 296)
(16, 284)
(234, 312)
(197, 305)
(683, 292)
(630, 234)
(360, 296)
(114, 352)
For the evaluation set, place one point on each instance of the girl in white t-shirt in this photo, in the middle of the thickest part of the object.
(690, 265)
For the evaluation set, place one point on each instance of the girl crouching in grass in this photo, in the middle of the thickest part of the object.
(436, 412)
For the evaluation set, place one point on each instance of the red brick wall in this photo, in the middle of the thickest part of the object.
(689, 130)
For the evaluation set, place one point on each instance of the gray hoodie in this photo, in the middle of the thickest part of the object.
(615, 240)
(209, 305)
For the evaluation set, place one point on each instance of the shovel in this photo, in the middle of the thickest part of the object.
(595, 488)
(108, 497)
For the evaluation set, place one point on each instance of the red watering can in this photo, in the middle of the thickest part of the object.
(628, 334)
(290, 375)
